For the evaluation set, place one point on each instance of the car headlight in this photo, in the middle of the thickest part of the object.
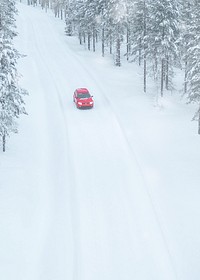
(79, 103)
(91, 103)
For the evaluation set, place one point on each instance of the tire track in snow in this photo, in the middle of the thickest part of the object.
(124, 136)
(76, 218)
(69, 163)
(134, 158)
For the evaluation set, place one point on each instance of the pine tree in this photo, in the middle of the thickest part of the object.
(106, 24)
(116, 15)
(193, 59)
(11, 101)
(140, 33)
(69, 17)
(186, 37)
(164, 33)
(90, 13)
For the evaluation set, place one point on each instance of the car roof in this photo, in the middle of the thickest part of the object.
(82, 90)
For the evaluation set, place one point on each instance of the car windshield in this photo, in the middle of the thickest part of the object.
(84, 95)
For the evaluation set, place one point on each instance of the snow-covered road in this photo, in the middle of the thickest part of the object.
(90, 214)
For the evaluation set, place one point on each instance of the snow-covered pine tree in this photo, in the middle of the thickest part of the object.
(69, 17)
(92, 17)
(11, 101)
(185, 36)
(193, 59)
(139, 33)
(117, 16)
(137, 28)
(106, 25)
(164, 32)
(75, 20)
(82, 18)
(79, 15)
(32, 2)
(130, 14)
(102, 22)
(90, 21)
(58, 6)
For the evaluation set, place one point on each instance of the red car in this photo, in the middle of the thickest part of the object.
(82, 98)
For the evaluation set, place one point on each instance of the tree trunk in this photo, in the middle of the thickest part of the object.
(162, 77)
(84, 40)
(68, 28)
(167, 74)
(118, 48)
(103, 43)
(4, 142)
(185, 78)
(110, 44)
(93, 39)
(127, 43)
(145, 72)
(118, 54)
(199, 121)
(80, 37)
(140, 52)
(155, 65)
(89, 41)
(145, 46)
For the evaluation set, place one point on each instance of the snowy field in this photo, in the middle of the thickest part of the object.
(111, 193)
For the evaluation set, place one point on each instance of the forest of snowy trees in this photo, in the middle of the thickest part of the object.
(11, 95)
(160, 35)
